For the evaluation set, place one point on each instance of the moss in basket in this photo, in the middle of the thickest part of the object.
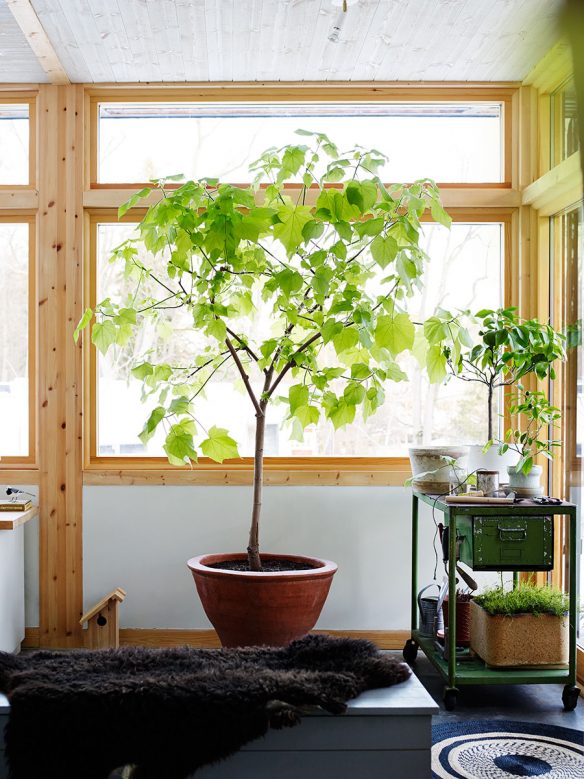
(527, 599)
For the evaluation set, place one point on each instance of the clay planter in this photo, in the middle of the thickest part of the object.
(520, 640)
(252, 609)
(431, 470)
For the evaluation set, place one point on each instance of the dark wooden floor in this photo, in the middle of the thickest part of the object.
(525, 702)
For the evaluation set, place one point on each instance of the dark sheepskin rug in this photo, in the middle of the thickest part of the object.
(170, 711)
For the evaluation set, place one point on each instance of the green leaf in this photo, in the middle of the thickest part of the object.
(179, 445)
(346, 339)
(152, 423)
(289, 281)
(307, 415)
(289, 229)
(435, 330)
(103, 335)
(297, 396)
(439, 214)
(369, 227)
(435, 365)
(131, 202)
(330, 329)
(360, 371)
(142, 371)
(219, 446)
(396, 333)
(384, 250)
(341, 414)
(354, 393)
(83, 322)
(217, 329)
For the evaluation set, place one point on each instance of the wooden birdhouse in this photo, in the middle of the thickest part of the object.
(103, 624)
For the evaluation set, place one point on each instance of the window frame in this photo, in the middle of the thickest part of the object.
(30, 460)
(392, 470)
(25, 98)
(489, 201)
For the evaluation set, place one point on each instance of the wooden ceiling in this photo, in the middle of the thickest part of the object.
(281, 40)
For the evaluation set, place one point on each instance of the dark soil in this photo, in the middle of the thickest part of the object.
(268, 566)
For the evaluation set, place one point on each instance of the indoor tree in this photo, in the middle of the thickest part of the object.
(330, 260)
(505, 349)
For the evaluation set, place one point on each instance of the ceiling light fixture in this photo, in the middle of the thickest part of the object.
(335, 32)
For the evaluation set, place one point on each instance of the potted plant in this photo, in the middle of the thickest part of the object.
(539, 418)
(330, 269)
(525, 626)
(507, 349)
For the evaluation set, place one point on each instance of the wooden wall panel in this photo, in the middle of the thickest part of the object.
(59, 298)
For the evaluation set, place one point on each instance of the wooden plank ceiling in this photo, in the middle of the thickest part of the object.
(287, 40)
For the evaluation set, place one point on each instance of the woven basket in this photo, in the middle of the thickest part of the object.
(462, 620)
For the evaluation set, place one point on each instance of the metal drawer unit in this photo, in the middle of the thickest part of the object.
(512, 537)
(518, 543)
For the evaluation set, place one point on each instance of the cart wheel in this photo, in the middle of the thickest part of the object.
(410, 651)
(570, 697)
(449, 697)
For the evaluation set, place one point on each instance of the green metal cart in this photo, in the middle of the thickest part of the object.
(457, 671)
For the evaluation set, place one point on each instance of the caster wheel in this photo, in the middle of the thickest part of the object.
(570, 697)
(410, 651)
(449, 697)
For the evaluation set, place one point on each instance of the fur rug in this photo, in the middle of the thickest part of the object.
(170, 711)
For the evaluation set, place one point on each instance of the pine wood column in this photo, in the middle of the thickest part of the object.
(59, 258)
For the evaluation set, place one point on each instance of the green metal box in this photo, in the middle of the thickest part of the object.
(506, 543)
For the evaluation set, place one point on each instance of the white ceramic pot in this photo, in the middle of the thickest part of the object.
(432, 471)
(526, 485)
(491, 460)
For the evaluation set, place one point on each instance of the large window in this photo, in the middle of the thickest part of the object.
(465, 272)
(17, 339)
(140, 141)
(435, 135)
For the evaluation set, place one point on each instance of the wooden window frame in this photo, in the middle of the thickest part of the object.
(279, 470)
(24, 98)
(492, 201)
(28, 462)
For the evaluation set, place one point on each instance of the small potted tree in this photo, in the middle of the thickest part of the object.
(525, 626)
(330, 269)
(507, 349)
(534, 439)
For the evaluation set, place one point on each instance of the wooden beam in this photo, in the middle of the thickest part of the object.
(557, 189)
(38, 40)
(19, 199)
(207, 639)
(60, 236)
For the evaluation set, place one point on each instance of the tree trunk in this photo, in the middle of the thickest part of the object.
(253, 548)
(490, 413)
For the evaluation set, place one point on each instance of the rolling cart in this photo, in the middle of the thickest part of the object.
(538, 540)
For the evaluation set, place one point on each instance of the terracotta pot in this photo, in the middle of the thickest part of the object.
(252, 609)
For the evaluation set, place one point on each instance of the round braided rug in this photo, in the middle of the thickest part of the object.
(500, 749)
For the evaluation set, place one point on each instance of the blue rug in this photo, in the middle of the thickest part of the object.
(499, 749)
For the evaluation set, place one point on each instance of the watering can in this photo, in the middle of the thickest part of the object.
(430, 613)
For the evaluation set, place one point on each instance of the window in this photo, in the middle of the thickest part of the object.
(14, 143)
(16, 336)
(465, 271)
(141, 141)
(428, 132)
(564, 123)
(568, 276)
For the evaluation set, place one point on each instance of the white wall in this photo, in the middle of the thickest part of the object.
(139, 538)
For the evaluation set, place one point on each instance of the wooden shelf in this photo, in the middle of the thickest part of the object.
(9, 520)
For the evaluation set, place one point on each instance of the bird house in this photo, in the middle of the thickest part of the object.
(103, 624)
